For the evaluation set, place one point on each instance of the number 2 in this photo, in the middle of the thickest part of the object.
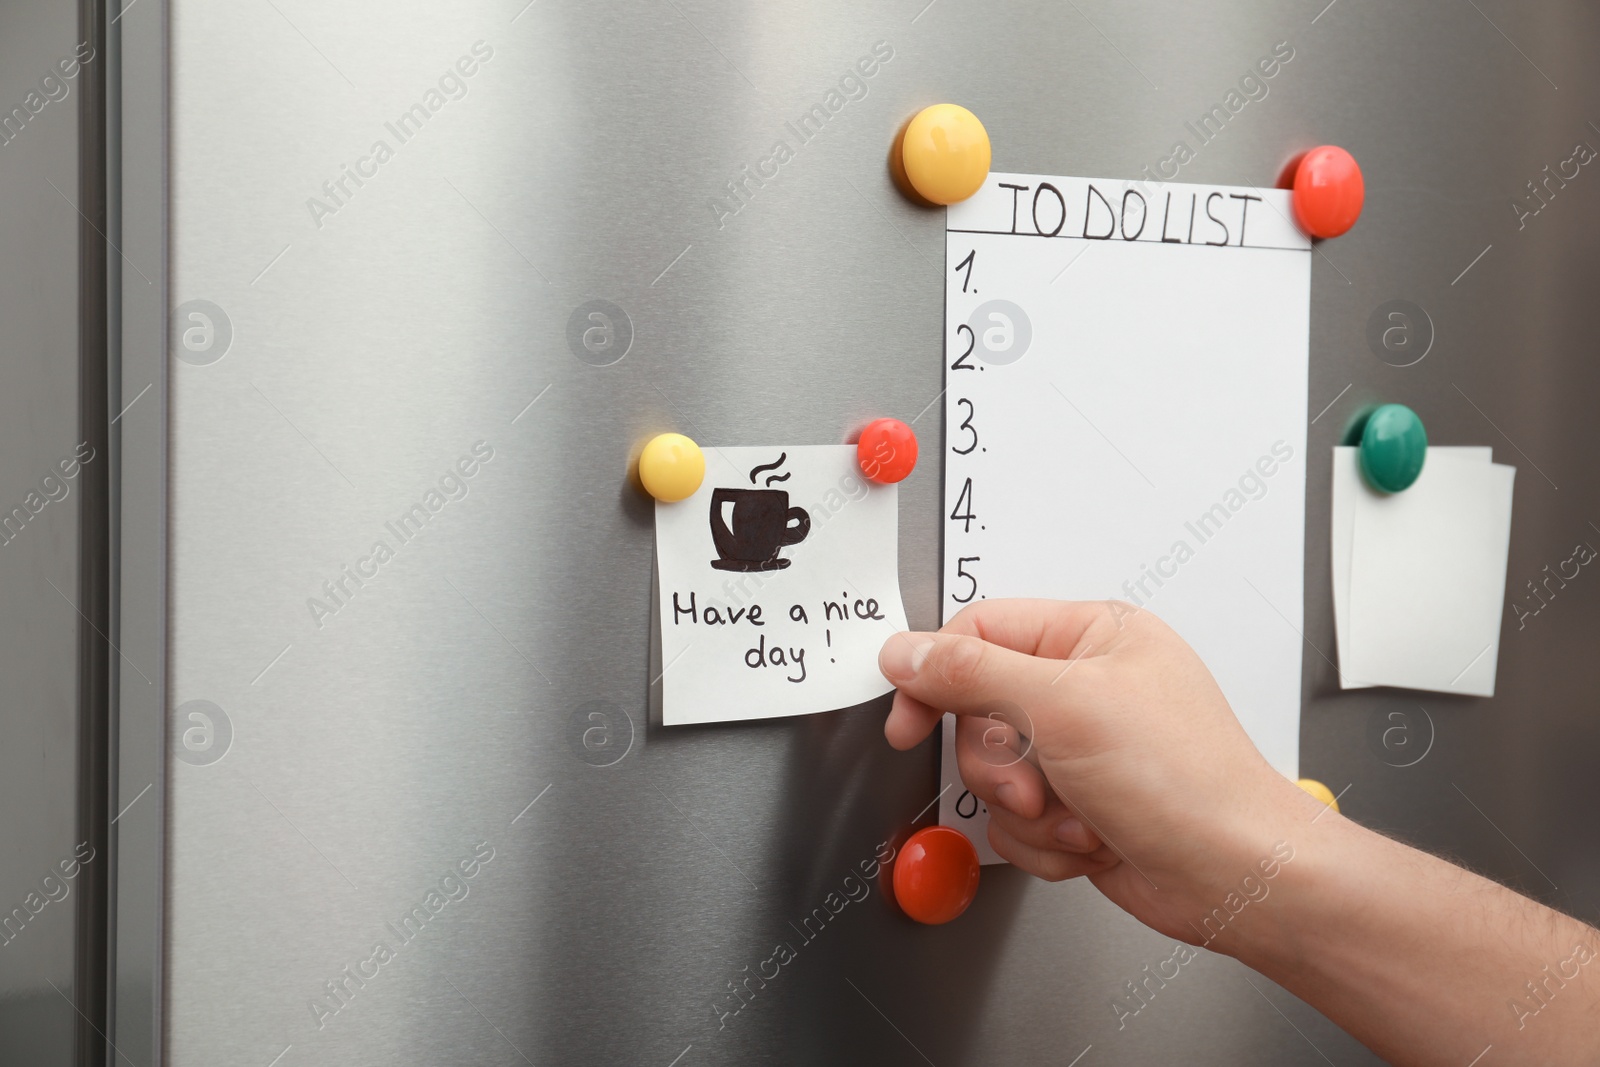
(972, 341)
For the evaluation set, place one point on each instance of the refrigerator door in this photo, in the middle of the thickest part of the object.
(419, 811)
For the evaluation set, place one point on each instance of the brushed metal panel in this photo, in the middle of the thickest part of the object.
(377, 338)
(51, 403)
(137, 74)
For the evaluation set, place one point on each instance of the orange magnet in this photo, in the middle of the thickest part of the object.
(1328, 191)
(887, 451)
(945, 153)
(936, 875)
(671, 467)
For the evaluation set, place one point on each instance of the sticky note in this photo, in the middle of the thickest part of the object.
(778, 585)
(1349, 487)
(1427, 578)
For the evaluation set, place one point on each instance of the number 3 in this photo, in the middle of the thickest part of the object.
(966, 424)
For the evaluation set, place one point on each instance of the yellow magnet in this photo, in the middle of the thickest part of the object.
(671, 467)
(946, 153)
(1320, 791)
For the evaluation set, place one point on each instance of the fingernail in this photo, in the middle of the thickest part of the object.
(903, 656)
(1070, 830)
(1006, 794)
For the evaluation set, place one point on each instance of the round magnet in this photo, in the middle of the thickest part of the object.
(1393, 448)
(936, 875)
(945, 153)
(1328, 191)
(671, 467)
(1320, 791)
(887, 451)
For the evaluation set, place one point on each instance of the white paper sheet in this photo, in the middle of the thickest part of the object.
(1126, 418)
(1348, 485)
(779, 582)
(1428, 576)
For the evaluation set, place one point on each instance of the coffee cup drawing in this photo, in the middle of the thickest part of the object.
(750, 526)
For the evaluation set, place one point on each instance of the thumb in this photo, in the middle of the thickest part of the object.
(963, 675)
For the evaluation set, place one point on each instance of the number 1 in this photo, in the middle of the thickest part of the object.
(967, 263)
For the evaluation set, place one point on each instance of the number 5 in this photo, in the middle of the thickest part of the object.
(961, 572)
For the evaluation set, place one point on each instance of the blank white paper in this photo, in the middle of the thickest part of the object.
(1126, 418)
(1428, 576)
(1348, 486)
(779, 583)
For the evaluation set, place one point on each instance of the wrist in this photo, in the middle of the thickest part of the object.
(1317, 900)
(1274, 849)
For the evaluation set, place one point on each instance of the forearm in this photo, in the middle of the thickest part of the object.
(1422, 961)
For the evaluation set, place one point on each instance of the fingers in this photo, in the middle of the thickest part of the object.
(1048, 864)
(963, 674)
(1056, 830)
(991, 757)
(992, 650)
(1055, 629)
(910, 721)
(1074, 836)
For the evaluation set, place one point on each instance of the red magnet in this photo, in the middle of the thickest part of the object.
(936, 875)
(888, 450)
(1328, 191)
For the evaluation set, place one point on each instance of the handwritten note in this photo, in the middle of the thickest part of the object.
(1126, 419)
(779, 582)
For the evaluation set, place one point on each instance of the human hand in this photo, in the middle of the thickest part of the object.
(1102, 747)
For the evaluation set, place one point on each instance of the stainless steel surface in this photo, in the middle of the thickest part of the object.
(381, 326)
(52, 478)
(137, 72)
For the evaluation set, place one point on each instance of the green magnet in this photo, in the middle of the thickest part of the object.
(1393, 447)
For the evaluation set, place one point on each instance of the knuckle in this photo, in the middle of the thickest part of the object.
(1018, 826)
(1056, 868)
(961, 662)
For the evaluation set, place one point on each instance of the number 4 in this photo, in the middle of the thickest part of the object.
(964, 501)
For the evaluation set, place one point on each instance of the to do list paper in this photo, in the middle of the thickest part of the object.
(1125, 418)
